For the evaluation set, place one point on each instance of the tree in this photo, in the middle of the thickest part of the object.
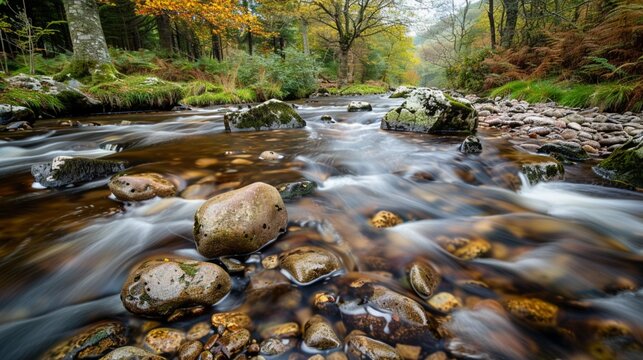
(354, 19)
(509, 28)
(88, 40)
(492, 24)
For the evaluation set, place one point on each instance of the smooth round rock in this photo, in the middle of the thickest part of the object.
(160, 286)
(423, 278)
(534, 311)
(273, 347)
(240, 221)
(270, 155)
(190, 350)
(363, 347)
(359, 106)
(164, 340)
(444, 302)
(308, 264)
(319, 334)
(234, 342)
(385, 219)
(199, 331)
(131, 353)
(141, 187)
(231, 321)
(91, 342)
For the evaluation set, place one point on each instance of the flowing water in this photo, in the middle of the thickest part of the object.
(576, 244)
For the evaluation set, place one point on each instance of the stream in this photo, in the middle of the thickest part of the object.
(65, 253)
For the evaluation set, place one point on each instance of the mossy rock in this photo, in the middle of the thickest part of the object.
(294, 190)
(432, 111)
(63, 170)
(270, 115)
(564, 151)
(625, 164)
(541, 169)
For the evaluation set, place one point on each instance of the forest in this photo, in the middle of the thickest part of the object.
(577, 53)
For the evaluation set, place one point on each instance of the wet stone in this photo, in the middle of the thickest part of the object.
(199, 331)
(160, 286)
(240, 221)
(131, 353)
(471, 145)
(319, 334)
(270, 262)
(281, 331)
(234, 342)
(233, 265)
(423, 278)
(534, 311)
(363, 347)
(270, 115)
(355, 106)
(64, 170)
(90, 342)
(190, 350)
(564, 151)
(444, 302)
(465, 248)
(270, 155)
(231, 321)
(277, 346)
(308, 264)
(164, 340)
(297, 189)
(140, 187)
(385, 219)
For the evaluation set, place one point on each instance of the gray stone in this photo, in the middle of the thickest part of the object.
(564, 151)
(471, 145)
(541, 169)
(607, 127)
(540, 130)
(402, 92)
(63, 170)
(355, 106)
(432, 111)
(12, 113)
(574, 126)
(270, 115)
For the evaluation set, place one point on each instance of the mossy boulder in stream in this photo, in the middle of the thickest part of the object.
(158, 287)
(90, 343)
(239, 222)
(65, 170)
(432, 111)
(270, 115)
(625, 164)
(542, 169)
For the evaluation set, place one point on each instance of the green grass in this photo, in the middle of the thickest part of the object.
(615, 97)
(199, 87)
(133, 93)
(238, 96)
(361, 89)
(35, 101)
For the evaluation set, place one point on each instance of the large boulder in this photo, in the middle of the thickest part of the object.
(65, 170)
(158, 287)
(270, 115)
(239, 222)
(12, 113)
(432, 111)
(625, 164)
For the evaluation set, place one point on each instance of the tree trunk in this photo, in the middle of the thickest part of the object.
(250, 43)
(86, 32)
(509, 30)
(304, 35)
(164, 28)
(492, 24)
(282, 53)
(217, 51)
(342, 73)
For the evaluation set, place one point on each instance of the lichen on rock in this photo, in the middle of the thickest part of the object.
(270, 115)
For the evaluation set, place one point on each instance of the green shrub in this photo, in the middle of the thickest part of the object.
(199, 87)
(362, 89)
(137, 93)
(469, 72)
(238, 96)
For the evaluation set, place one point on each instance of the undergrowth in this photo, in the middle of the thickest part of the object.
(137, 93)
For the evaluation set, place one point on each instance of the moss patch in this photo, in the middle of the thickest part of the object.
(273, 114)
(38, 102)
(624, 164)
(137, 93)
(190, 270)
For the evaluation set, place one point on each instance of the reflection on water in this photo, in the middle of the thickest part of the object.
(65, 253)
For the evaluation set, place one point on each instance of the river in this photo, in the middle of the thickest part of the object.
(575, 243)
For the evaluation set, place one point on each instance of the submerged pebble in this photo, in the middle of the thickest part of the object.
(164, 340)
(385, 219)
(308, 264)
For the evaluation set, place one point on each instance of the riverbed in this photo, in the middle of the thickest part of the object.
(575, 243)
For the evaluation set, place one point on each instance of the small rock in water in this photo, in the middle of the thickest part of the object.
(444, 302)
(164, 340)
(64, 170)
(138, 187)
(355, 106)
(319, 334)
(234, 342)
(190, 350)
(9, 113)
(471, 145)
(297, 189)
(270, 155)
(231, 321)
(564, 151)
(362, 347)
(241, 162)
(385, 219)
(542, 168)
(534, 311)
(327, 118)
(273, 347)
(240, 221)
(91, 342)
(308, 264)
(131, 353)
(281, 331)
(465, 248)
(18, 126)
(423, 278)
(160, 286)
(199, 331)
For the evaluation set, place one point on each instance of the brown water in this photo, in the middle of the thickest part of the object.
(576, 244)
